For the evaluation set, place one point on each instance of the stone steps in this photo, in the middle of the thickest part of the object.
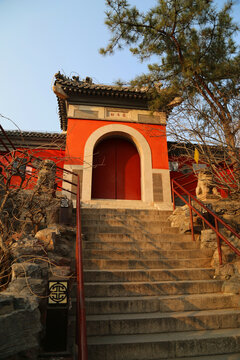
(123, 221)
(152, 229)
(148, 275)
(140, 245)
(144, 304)
(135, 236)
(159, 322)
(125, 218)
(152, 288)
(95, 213)
(146, 254)
(97, 264)
(213, 357)
(150, 292)
(164, 346)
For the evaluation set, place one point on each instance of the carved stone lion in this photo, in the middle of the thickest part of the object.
(205, 189)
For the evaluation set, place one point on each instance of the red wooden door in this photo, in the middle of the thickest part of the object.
(116, 170)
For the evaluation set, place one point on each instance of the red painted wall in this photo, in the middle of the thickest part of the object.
(55, 155)
(79, 131)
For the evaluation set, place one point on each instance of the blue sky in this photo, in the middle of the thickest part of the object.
(39, 38)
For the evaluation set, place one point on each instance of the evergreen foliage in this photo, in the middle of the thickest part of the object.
(193, 53)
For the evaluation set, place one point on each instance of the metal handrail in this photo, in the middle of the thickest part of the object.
(185, 176)
(182, 175)
(189, 182)
(217, 219)
(81, 333)
(81, 330)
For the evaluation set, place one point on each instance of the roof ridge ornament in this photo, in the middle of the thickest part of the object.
(88, 80)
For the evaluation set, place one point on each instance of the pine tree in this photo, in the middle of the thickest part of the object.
(197, 57)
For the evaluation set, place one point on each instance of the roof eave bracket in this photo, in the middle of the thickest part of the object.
(57, 89)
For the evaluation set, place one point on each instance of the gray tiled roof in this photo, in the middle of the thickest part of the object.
(74, 84)
(38, 134)
(83, 89)
(33, 139)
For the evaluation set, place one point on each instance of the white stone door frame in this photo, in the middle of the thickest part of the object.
(144, 153)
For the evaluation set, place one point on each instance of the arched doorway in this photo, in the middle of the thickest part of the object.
(116, 170)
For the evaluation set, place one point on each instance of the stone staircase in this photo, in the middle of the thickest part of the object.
(150, 292)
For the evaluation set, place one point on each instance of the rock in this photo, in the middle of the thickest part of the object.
(25, 247)
(184, 227)
(63, 250)
(237, 267)
(229, 210)
(63, 247)
(225, 272)
(208, 239)
(235, 241)
(48, 237)
(19, 329)
(215, 259)
(26, 287)
(61, 271)
(59, 260)
(232, 286)
(180, 218)
(227, 256)
(52, 212)
(26, 269)
(6, 304)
